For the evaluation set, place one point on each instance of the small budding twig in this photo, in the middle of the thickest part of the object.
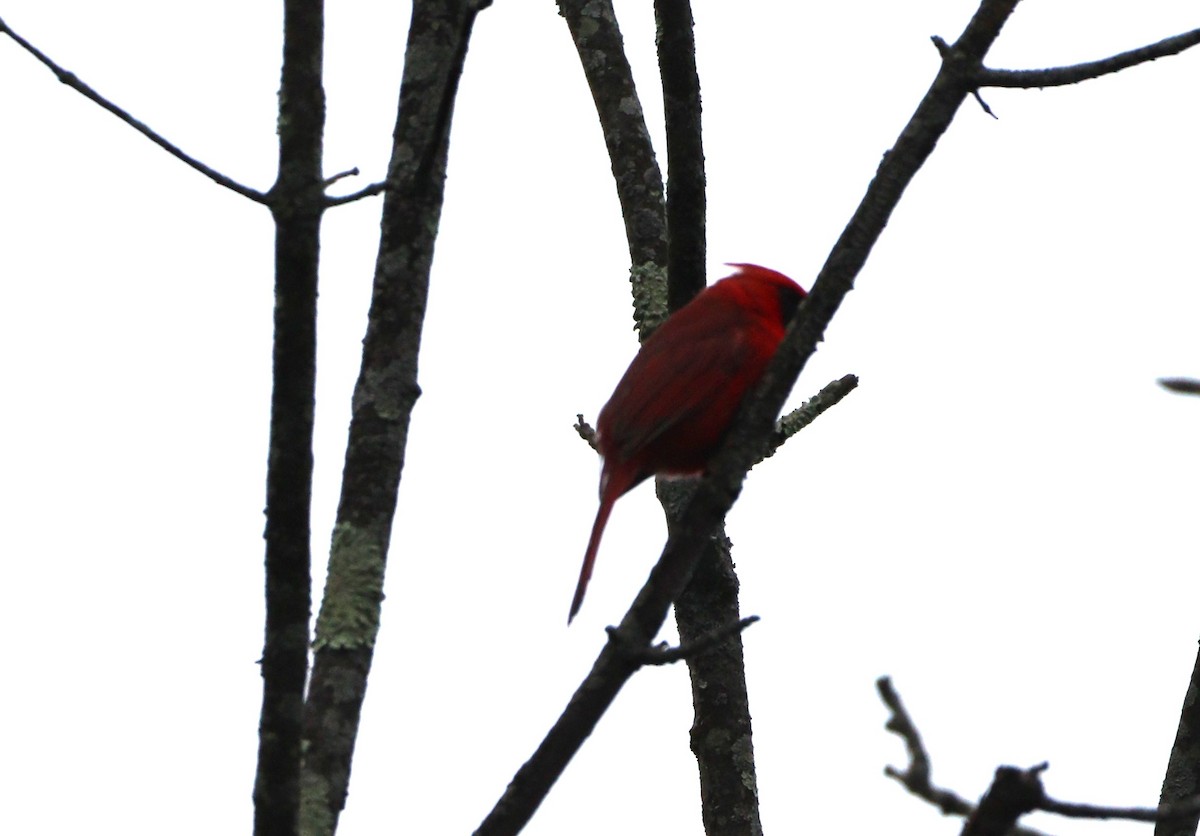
(806, 413)
(341, 175)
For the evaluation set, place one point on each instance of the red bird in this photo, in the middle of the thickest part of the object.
(678, 397)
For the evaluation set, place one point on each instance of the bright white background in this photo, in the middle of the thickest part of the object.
(1002, 517)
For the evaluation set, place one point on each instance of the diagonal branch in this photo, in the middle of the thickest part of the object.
(75, 83)
(597, 38)
(1181, 779)
(1058, 76)
(384, 397)
(717, 491)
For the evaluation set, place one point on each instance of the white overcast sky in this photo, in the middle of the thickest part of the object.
(1002, 517)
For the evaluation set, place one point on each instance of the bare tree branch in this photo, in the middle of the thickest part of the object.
(297, 209)
(916, 777)
(663, 654)
(384, 396)
(809, 411)
(366, 191)
(1181, 779)
(1182, 385)
(786, 427)
(1058, 76)
(1013, 793)
(721, 734)
(685, 151)
(717, 491)
(341, 175)
(597, 38)
(75, 83)
(1184, 809)
(290, 462)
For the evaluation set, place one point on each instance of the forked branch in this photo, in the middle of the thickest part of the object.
(1013, 793)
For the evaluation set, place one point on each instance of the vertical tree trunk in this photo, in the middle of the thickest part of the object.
(297, 203)
(384, 397)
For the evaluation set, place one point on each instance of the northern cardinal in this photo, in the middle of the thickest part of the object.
(678, 397)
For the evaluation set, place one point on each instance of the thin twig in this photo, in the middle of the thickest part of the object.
(75, 83)
(341, 175)
(366, 191)
(1182, 385)
(663, 654)
(916, 776)
(1058, 76)
(984, 105)
(1165, 812)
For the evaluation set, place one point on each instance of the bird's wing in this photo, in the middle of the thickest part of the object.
(693, 371)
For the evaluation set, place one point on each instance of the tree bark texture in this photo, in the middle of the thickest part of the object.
(297, 203)
(383, 400)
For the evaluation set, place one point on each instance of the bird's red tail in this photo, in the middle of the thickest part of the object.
(589, 557)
